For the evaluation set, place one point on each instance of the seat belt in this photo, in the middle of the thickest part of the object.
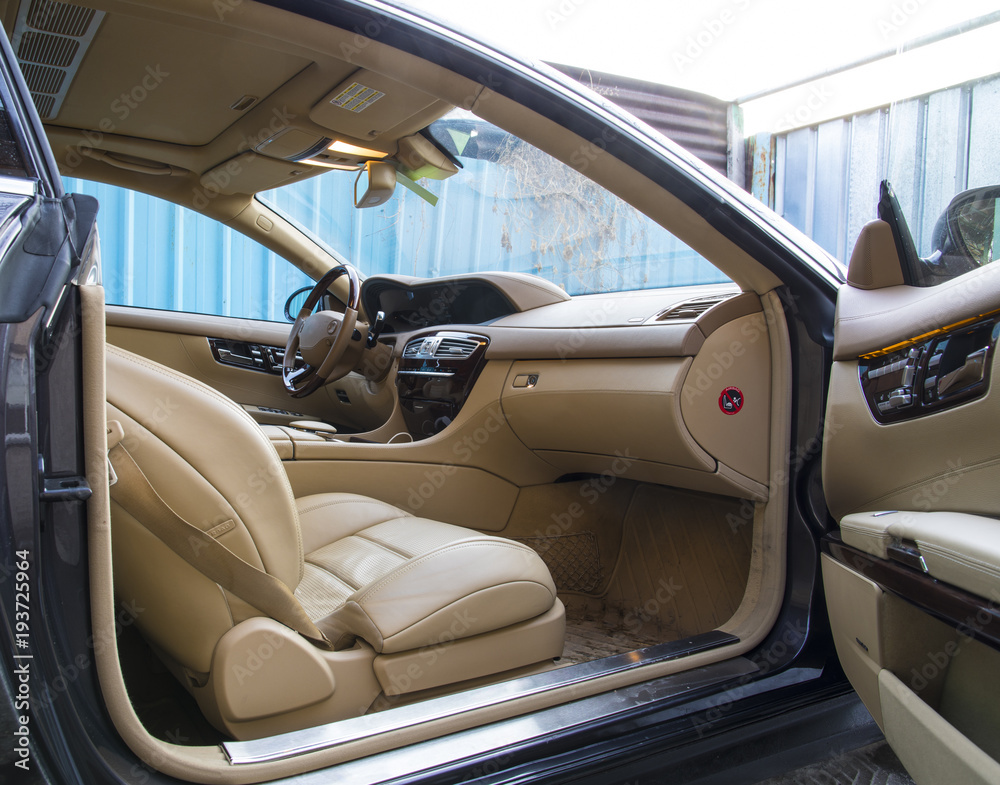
(215, 561)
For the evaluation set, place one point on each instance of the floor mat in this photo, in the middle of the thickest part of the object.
(588, 640)
(681, 571)
(163, 706)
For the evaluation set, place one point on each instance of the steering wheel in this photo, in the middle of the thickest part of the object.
(326, 339)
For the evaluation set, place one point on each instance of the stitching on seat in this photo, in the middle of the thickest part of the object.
(961, 559)
(960, 472)
(443, 608)
(401, 571)
(359, 501)
(340, 578)
(382, 545)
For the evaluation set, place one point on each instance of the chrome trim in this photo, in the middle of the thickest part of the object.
(485, 744)
(18, 186)
(288, 745)
(402, 372)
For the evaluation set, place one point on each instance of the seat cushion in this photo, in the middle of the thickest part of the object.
(401, 582)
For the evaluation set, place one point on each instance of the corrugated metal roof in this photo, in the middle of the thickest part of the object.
(698, 123)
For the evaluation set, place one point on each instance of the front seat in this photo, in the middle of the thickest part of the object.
(403, 604)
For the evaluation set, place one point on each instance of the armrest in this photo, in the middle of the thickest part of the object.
(960, 549)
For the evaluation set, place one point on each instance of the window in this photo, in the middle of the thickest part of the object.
(155, 254)
(511, 207)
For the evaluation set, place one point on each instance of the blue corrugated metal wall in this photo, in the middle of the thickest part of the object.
(487, 219)
(158, 255)
(825, 178)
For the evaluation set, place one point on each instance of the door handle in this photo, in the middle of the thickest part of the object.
(971, 372)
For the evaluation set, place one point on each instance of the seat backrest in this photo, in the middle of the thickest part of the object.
(207, 459)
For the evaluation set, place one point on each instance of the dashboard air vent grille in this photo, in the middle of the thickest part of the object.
(455, 347)
(693, 308)
(441, 347)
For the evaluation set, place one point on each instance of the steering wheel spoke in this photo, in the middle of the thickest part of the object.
(323, 338)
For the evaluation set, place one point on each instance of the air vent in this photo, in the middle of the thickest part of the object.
(50, 39)
(412, 349)
(693, 308)
(60, 18)
(45, 104)
(47, 49)
(455, 347)
(441, 347)
(42, 78)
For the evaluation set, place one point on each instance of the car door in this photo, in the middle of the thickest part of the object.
(48, 262)
(912, 474)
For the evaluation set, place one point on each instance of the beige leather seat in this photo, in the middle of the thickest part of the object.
(411, 604)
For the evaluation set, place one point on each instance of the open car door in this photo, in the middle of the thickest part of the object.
(912, 474)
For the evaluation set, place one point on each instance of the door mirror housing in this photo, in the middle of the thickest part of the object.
(968, 227)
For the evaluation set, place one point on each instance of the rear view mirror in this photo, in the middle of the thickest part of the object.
(378, 181)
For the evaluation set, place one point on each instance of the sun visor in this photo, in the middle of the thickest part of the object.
(250, 173)
(367, 104)
(292, 144)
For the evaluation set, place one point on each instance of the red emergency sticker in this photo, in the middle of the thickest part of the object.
(731, 400)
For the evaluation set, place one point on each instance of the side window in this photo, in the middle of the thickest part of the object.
(155, 254)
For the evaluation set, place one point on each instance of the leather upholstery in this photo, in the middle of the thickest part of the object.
(874, 262)
(957, 548)
(361, 568)
(399, 582)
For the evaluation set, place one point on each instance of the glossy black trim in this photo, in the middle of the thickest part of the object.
(968, 614)
(927, 365)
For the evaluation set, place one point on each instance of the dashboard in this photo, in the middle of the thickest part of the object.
(415, 306)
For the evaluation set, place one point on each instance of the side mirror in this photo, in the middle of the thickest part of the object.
(969, 226)
(379, 183)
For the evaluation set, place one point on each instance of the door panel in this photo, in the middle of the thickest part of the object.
(911, 471)
(180, 341)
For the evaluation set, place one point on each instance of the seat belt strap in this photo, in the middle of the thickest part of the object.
(262, 590)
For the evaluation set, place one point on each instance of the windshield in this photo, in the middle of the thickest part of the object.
(510, 207)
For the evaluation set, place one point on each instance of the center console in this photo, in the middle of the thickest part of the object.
(435, 376)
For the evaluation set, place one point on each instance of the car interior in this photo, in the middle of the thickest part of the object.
(351, 517)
